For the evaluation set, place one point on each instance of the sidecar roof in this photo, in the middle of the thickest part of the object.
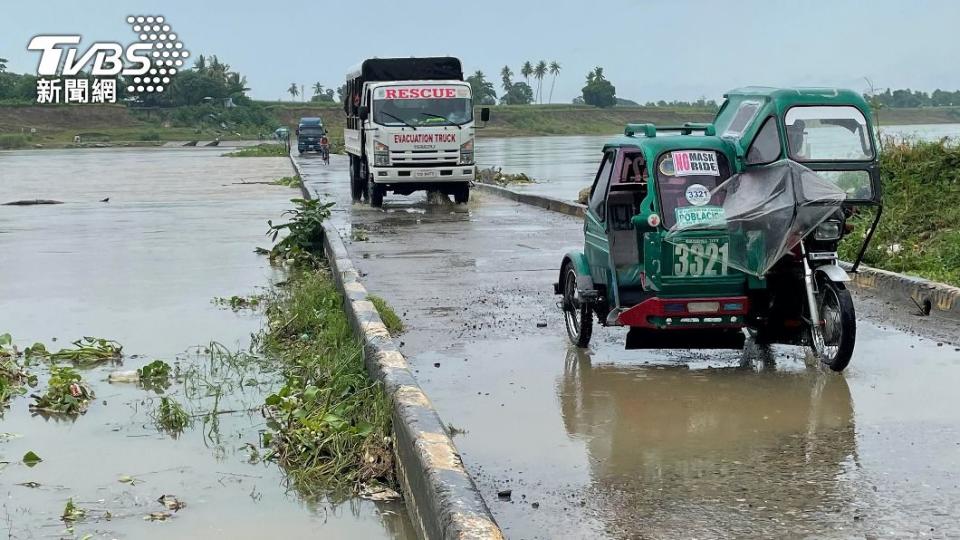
(653, 141)
(784, 98)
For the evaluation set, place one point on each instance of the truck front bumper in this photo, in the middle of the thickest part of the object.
(424, 175)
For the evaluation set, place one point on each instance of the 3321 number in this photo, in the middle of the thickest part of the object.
(696, 260)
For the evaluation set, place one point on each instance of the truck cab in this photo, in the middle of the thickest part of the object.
(410, 127)
(309, 132)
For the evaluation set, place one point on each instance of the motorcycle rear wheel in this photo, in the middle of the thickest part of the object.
(577, 315)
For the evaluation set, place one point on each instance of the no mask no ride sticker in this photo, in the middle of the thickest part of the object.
(694, 162)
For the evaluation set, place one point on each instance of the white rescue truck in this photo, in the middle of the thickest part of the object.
(410, 127)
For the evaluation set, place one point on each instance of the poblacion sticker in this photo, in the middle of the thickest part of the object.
(703, 216)
(698, 194)
(695, 162)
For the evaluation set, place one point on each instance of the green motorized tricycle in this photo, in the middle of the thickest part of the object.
(696, 233)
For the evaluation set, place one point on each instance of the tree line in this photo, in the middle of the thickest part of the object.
(907, 98)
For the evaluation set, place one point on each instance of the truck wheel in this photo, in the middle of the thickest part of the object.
(461, 194)
(578, 316)
(356, 189)
(833, 342)
(375, 192)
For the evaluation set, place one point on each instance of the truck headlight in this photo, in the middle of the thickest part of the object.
(381, 154)
(828, 230)
(466, 153)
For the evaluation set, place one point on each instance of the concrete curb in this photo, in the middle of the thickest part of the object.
(938, 299)
(441, 498)
(547, 203)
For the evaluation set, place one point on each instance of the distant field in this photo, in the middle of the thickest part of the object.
(57, 125)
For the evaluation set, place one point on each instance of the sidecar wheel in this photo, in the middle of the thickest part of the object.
(834, 347)
(578, 316)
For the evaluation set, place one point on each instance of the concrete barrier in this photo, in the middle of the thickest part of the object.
(931, 297)
(441, 498)
(547, 203)
(918, 294)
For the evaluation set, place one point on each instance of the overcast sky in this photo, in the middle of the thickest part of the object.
(650, 49)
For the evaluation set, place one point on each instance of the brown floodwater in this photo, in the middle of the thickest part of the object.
(179, 229)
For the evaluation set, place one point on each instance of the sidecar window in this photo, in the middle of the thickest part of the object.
(673, 189)
(765, 147)
(598, 194)
(744, 115)
(827, 133)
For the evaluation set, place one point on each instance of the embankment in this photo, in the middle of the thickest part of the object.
(117, 123)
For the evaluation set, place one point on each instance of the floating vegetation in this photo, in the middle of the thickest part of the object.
(237, 303)
(31, 458)
(72, 512)
(389, 317)
(90, 350)
(66, 393)
(170, 417)
(13, 378)
(289, 181)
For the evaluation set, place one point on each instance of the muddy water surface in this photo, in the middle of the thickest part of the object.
(179, 229)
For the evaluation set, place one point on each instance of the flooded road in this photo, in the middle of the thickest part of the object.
(651, 444)
(143, 268)
(564, 165)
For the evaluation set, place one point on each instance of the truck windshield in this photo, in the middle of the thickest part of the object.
(828, 133)
(313, 131)
(422, 106)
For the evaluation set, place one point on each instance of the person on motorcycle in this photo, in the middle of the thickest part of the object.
(325, 148)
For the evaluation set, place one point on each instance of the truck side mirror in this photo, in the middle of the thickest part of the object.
(363, 112)
(298, 132)
(485, 114)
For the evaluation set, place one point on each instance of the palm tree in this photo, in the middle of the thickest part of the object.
(505, 75)
(554, 70)
(526, 71)
(201, 64)
(294, 90)
(236, 83)
(217, 68)
(317, 89)
(539, 73)
(598, 73)
(3, 64)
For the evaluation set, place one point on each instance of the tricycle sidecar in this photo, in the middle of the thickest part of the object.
(691, 237)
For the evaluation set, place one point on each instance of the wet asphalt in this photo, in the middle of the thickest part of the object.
(651, 444)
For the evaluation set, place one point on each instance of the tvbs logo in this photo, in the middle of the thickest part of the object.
(147, 65)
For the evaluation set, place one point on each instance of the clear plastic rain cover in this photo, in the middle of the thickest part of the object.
(765, 212)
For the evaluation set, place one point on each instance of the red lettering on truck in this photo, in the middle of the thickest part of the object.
(421, 92)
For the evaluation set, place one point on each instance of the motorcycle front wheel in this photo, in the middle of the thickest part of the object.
(832, 340)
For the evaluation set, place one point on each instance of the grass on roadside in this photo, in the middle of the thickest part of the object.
(260, 150)
(919, 232)
(329, 423)
(389, 317)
